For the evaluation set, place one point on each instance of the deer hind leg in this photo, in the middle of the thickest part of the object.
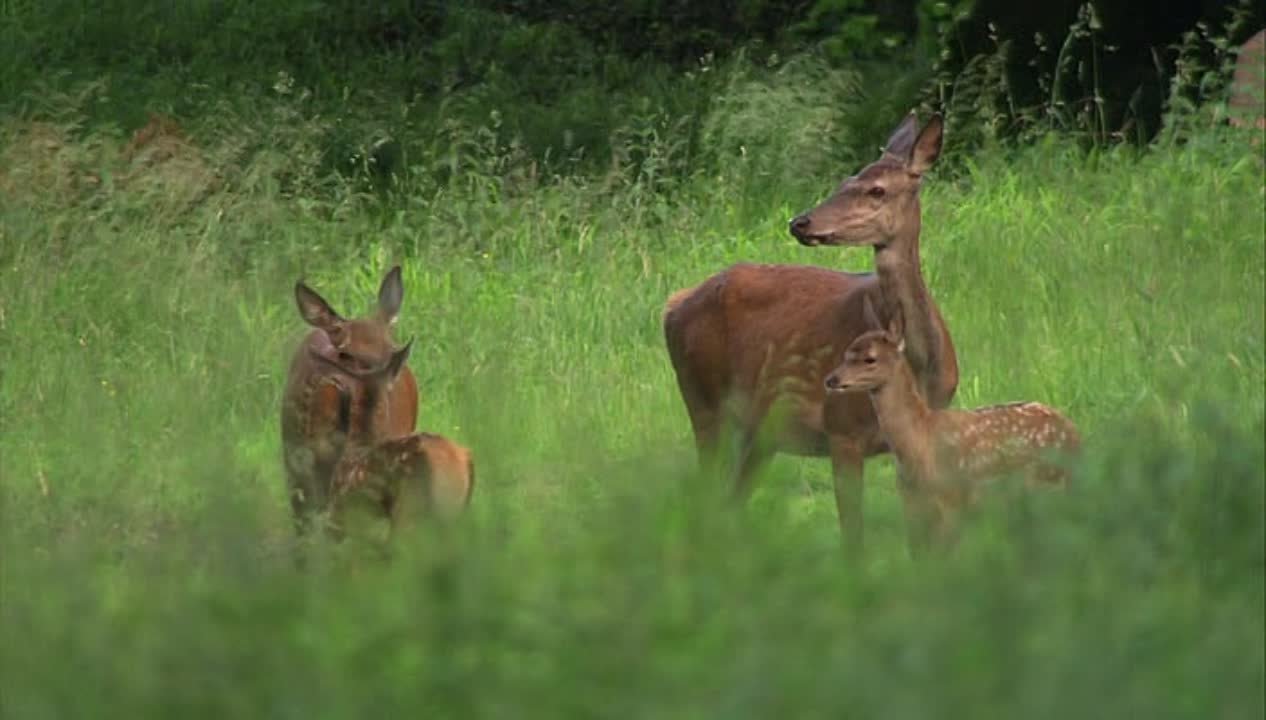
(706, 421)
(753, 454)
(706, 425)
(847, 467)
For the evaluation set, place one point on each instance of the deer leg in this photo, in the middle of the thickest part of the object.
(920, 510)
(753, 454)
(705, 421)
(303, 501)
(707, 429)
(847, 466)
(949, 519)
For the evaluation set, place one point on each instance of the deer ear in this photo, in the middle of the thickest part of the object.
(314, 309)
(927, 147)
(869, 316)
(398, 359)
(896, 329)
(390, 296)
(901, 139)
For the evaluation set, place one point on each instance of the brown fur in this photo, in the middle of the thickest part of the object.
(402, 480)
(752, 344)
(1248, 86)
(160, 138)
(948, 456)
(321, 405)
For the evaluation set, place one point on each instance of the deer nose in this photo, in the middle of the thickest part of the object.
(799, 225)
(832, 382)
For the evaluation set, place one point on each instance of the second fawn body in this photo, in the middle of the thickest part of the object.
(947, 456)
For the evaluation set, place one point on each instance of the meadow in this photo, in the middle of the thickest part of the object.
(146, 320)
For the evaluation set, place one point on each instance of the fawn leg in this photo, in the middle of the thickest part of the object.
(920, 511)
(949, 519)
(847, 466)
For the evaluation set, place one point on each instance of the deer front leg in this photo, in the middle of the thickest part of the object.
(920, 510)
(948, 521)
(847, 465)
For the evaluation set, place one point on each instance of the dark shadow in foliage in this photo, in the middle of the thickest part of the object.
(1126, 53)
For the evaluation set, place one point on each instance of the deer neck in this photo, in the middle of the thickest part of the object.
(904, 416)
(366, 401)
(901, 283)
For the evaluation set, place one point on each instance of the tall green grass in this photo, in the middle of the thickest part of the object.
(145, 548)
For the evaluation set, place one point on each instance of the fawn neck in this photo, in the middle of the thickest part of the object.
(901, 282)
(904, 416)
(362, 428)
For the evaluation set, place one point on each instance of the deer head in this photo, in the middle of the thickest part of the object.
(372, 387)
(876, 205)
(871, 359)
(360, 344)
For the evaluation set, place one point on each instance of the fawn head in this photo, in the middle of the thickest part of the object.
(361, 344)
(878, 203)
(871, 358)
(374, 384)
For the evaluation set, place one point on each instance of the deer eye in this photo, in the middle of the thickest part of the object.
(876, 191)
(870, 361)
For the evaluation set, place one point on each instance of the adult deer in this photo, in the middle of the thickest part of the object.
(399, 478)
(949, 456)
(319, 402)
(752, 344)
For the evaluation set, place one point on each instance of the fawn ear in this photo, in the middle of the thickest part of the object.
(398, 359)
(897, 330)
(869, 316)
(314, 309)
(902, 138)
(927, 147)
(390, 296)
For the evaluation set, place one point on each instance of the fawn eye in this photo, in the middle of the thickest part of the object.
(876, 191)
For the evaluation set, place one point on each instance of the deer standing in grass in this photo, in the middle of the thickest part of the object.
(948, 456)
(752, 344)
(399, 478)
(319, 403)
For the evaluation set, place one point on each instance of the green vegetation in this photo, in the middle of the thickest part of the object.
(146, 320)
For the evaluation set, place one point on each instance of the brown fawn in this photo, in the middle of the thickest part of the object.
(400, 479)
(319, 401)
(751, 345)
(947, 456)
